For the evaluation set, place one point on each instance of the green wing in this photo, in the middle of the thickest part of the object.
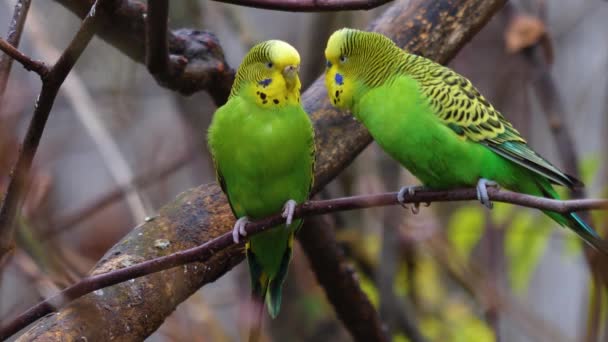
(222, 182)
(462, 108)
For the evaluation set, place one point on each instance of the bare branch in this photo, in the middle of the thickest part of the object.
(340, 281)
(203, 252)
(309, 5)
(157, 49)
(66, 223)
(29, 64)
(196, 58)
(13, 37)
(51, 83)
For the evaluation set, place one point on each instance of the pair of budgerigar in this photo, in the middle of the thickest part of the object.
(429, 118)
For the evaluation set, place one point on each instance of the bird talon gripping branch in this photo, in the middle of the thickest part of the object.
(288, 209)
(410, 191)
(239, 229)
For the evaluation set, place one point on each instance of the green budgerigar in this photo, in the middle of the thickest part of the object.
(262, 142)
(436, 124)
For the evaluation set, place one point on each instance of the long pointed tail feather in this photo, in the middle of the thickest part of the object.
(571, 220)
(265, 289)
(274, 295)
(259, 288)
(587, 233)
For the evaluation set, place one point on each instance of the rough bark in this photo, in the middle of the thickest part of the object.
(133, 310)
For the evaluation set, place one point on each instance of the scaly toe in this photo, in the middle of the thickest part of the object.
(410, 191)
(482, 192)
(288, 209)
(416, 208)
(239, 229)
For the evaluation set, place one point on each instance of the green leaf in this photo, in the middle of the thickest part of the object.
(525, 242)
(464, 325)
(368, 287)
(589, 167)
(465, 229)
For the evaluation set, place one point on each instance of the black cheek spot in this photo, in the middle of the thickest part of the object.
(285, 98)
(263, 96)
(275, 101)
(335, 102)
(265, 102)
(337, 93)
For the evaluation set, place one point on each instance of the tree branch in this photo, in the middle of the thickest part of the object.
(436, 29)
(205, 251)
(196, 59)
(51, 83)
(64, 224)
(29, 64)
(309, 5)
(13, 37)
(340, 281)
(157, 49)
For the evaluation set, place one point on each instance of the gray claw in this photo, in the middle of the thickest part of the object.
(482, 192)
(409, 190)
(239, 229)
(288, 209)
(415, 208)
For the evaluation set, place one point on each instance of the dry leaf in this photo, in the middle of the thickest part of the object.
(523, 31)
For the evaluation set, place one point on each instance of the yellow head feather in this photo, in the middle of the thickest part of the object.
(269, 75)
(356, 60)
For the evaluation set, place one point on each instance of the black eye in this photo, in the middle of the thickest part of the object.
(342, 58)
(269, 65)
(328, 64)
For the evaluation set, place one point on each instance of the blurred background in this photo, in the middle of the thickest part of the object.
(118, 146)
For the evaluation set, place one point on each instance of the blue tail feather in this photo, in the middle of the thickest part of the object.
(587, 233)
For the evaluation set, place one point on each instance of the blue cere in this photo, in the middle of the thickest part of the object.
(339, 79)
(265, 82)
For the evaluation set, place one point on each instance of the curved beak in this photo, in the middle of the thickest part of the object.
(290, 73)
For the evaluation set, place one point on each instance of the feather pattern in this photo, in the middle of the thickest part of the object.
(376, 60)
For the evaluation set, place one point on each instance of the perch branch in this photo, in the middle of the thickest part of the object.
(436, 29)
(203, 252)
(309, 5)
(51, 83)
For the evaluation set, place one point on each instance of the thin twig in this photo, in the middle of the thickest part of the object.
(157, 48)
(66, 223)
(85, 109)
(50, 87)
(309, 5)
(13, 37)
(205, 251)
(29, 64)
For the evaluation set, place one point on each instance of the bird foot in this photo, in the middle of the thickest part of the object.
(482, 191)
(288, 209)
(239, 229)
(410, 191)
